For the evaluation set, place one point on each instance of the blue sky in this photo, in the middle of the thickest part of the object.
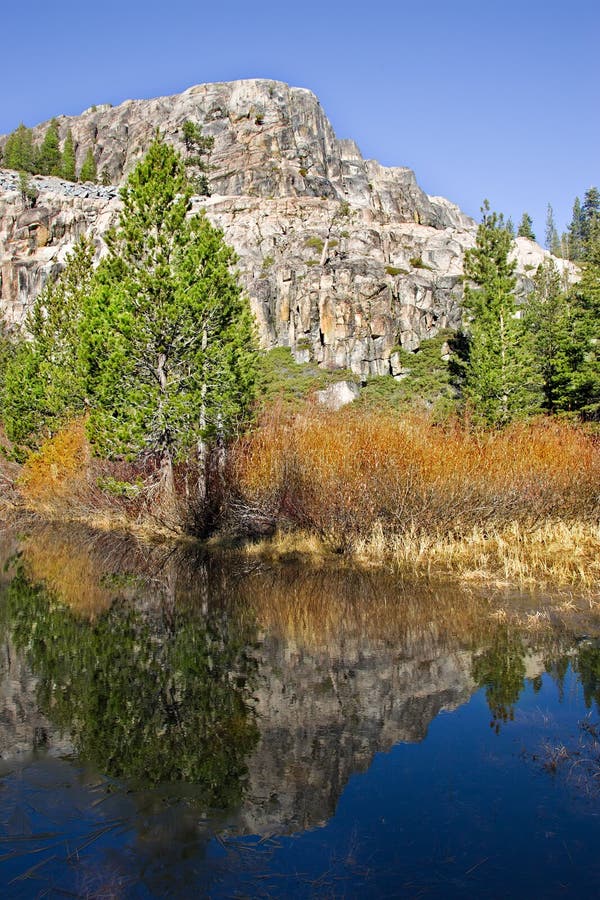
(482, 99)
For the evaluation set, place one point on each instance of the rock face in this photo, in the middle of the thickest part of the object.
(343, 259)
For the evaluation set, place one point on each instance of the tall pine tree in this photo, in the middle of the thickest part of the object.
(68, 158)
(552, 237)
(501, 383)
(585, 300)
(576, 237)
(590, 221)
(170, 339)
(44, 380)
(548, 319)
(88, 169)
(49, 158)
(526, 227)
(19, 151)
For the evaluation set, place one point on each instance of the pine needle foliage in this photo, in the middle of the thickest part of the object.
(501, 381)
(169, 339)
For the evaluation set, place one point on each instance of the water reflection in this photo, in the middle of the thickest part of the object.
(225, 697)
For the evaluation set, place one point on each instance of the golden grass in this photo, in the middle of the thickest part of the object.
(517, 506)
(554, 554)
(338, 473)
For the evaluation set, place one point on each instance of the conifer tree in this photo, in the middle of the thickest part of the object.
(44, 381)
(169, 339)
(548, 319)
(49, 158)
(29, 193)
(88, 169)
(19, 150)
(68, 158)
(590, 220)
(584, 392)
(576, 238)
(552, 238)
(500, 378)
(526, 227)
(198, 147)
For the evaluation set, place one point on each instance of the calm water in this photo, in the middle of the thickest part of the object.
(174, 726)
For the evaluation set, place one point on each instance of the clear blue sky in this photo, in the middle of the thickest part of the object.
(482, 98)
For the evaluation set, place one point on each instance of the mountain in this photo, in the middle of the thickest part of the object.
(343, 259)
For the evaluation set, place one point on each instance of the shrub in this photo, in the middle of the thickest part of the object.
(341, 474)
(315, 243)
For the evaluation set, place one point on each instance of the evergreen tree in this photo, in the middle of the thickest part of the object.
(29, 193)
(584, 392)
(590, 220)
(68, 158)
(526, 227)
(19, 151)
(44, 381)
(170, 341)
(552, 238)
(198, 147)
(7, 349)
(548, 319)
(88, 169)
(576, 238)
(500, 379)
(49, 159)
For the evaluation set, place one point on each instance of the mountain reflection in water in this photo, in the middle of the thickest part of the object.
(181, 701)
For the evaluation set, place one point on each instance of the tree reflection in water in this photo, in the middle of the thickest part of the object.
(500, 669)
(152, 698)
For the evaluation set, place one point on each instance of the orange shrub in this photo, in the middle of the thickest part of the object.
(340, 473)
(56, 470)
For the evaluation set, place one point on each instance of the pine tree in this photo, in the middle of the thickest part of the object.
(552, 238)
(526, 227)
(44, 382)
(584, 392)
(548, 319)
(590, 219)
(500, 379)
(198, 147)
(169, 340)
(19, 151)
(576, 238)
(88, 169)
(68, 158)
(29, 193)
(49, 160)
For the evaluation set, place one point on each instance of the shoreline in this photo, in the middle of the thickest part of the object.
(554, 555)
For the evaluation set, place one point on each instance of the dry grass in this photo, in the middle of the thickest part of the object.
(553, 553)
(518, 505)
(63, 481)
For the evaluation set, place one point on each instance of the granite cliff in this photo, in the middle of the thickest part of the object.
(343, 259)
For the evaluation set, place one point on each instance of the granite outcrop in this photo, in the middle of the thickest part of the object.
(344, 260)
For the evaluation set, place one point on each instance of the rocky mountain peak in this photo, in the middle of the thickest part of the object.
(343, 259)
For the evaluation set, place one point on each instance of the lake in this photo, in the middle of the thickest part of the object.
(182, 724)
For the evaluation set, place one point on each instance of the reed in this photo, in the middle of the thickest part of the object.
(519, 504)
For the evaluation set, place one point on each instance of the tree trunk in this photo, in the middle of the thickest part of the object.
(202, 446)
(167, 477)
